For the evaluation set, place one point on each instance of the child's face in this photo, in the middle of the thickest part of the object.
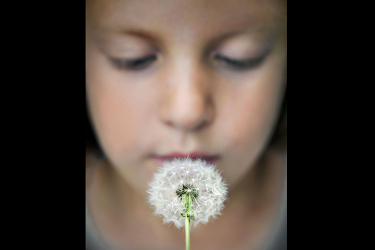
(203, 76)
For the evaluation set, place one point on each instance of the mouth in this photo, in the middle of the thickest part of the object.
(209, 158)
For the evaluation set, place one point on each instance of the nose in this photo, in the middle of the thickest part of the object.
(187, 101)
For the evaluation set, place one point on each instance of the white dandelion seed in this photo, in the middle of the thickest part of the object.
(204, 177)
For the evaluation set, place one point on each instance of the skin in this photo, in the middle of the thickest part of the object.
(184, 101)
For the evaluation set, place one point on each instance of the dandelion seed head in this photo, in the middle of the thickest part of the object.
(167, 184)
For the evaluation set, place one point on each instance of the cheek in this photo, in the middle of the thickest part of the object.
(248, 122)
(252, 118)
(112, 118)
(117, 111)
(114, 122)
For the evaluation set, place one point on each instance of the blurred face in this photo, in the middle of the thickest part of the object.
(203, 78)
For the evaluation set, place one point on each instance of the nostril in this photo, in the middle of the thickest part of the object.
(187, 123)
(186, 112)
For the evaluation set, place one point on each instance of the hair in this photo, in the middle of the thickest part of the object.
(279, 136)
(91, 141)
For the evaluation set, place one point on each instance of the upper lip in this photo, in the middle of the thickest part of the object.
(192, 155)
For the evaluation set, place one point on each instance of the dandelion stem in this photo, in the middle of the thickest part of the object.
(187, 213)
(187, 232)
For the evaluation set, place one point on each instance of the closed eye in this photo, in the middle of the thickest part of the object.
(136, 64)
(240, 64)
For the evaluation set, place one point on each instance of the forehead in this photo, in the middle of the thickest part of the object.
(186, 18)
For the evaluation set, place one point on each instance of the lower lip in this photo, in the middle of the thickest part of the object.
(211, 160)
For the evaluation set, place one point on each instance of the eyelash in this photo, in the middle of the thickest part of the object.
(137, 64)
(240, 64)
(141, 63)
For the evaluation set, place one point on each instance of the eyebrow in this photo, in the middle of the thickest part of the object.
(151, 37)
(140, 34)
(269, 37)
(156, 41)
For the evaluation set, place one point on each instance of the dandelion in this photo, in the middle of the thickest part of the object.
(187, 189)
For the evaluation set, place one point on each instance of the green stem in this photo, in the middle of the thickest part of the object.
(187, 232)
(187, 213)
